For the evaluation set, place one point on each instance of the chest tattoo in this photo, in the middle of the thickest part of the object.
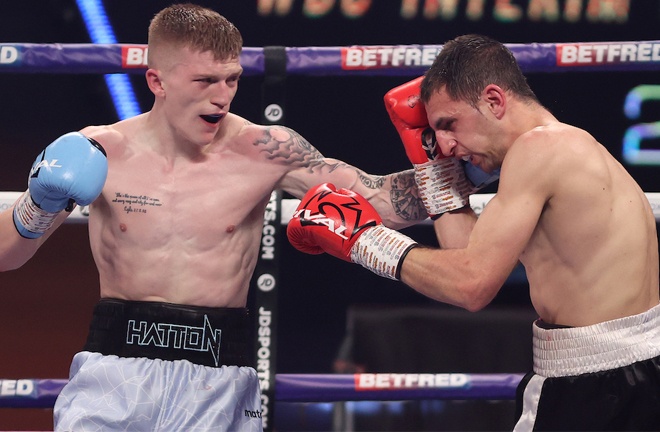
(136, 203)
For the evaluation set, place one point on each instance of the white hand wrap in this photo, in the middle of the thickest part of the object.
(30, 220)
(382, 250)
(443, 186)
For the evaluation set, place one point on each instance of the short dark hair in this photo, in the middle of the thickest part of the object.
(468, 63)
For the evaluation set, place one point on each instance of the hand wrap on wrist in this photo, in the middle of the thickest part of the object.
(30, 220)
(443, 186)
(382, 250)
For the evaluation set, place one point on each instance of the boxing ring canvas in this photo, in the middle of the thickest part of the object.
(387, 64)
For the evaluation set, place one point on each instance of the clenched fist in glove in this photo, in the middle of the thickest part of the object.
(441, 181)
(71, 170)
(342, 223)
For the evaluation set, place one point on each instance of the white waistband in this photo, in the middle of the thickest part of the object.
(599, 347)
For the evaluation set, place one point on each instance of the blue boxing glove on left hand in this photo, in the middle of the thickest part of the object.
(72, 169)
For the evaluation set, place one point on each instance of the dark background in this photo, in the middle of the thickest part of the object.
(45, 306)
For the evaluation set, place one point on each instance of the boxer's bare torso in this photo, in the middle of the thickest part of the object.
(565, 208)
(182, 224)
(175, 227)
(592, 256)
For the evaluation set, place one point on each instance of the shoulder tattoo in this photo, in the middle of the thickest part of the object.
(284, 145)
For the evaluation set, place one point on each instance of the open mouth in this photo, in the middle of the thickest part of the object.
(212, 118)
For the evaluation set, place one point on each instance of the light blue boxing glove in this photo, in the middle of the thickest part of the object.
(72, 169)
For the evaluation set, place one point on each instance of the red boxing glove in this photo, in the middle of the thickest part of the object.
(330, 220)
(440, 180)
(408, 116)
(343, 224)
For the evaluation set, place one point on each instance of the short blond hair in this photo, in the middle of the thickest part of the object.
(195, 27)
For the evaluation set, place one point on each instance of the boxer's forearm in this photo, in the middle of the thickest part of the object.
(398, 202)
(16, 250)
(453, 229)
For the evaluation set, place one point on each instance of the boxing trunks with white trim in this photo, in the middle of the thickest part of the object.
(162, 367)
(600, 377)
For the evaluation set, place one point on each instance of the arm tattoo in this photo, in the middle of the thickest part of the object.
(372, 182)
(405, 198)
(285, 145)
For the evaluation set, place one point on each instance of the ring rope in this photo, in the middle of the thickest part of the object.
(394, 60)
(42, 393)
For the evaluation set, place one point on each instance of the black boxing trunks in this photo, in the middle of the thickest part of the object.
(600, 377)
(167, 331)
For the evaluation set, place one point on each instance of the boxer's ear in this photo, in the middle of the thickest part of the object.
(495, 99)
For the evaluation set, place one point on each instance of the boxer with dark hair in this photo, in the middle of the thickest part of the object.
(566, 208)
